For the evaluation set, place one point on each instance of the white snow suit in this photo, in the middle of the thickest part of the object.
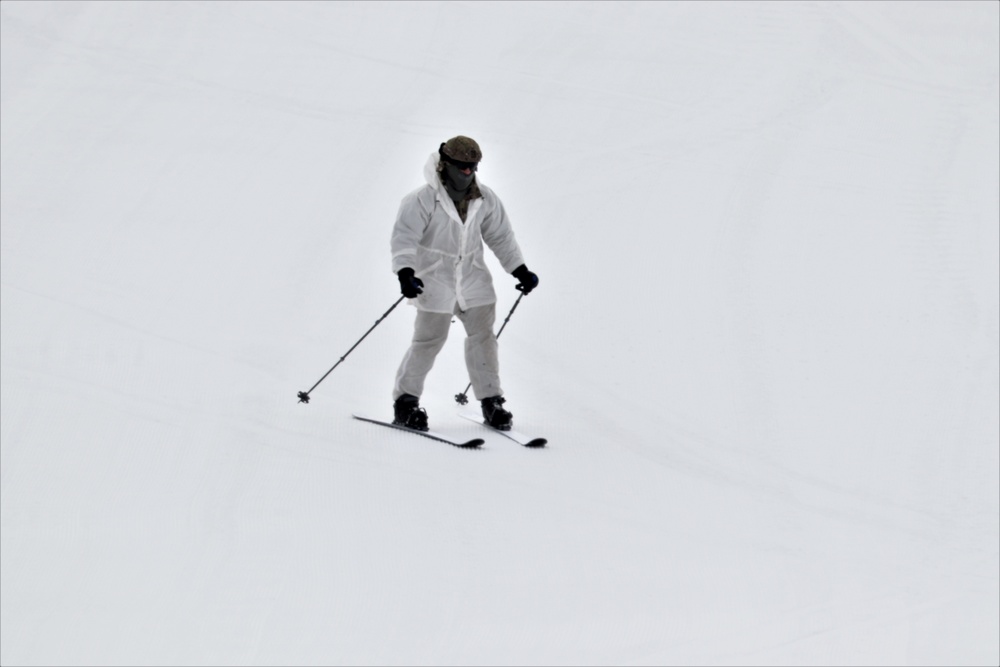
(447, 255)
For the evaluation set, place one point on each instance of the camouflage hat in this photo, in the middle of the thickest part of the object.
(462, 149)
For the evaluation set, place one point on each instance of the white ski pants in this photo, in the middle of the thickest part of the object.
(430, 331)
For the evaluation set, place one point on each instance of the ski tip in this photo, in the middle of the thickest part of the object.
(475, 443)
(537, 443)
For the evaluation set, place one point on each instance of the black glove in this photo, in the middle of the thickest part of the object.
(409, 284)
(528, 280)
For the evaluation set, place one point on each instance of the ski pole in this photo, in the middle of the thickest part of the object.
(304, 395)
(462, 399)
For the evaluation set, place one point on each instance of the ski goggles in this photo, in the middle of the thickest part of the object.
(472, 166)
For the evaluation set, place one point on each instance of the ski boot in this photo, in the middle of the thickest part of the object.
(409, 413)
(495, 415)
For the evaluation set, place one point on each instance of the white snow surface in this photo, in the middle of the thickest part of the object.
(765, 347)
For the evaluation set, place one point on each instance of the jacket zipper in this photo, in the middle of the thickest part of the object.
(458, 266)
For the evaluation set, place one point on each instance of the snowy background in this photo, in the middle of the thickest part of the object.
(765, 347)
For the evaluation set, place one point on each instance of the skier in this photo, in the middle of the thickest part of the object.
(437, 254)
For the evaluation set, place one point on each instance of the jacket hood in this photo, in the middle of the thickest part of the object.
(431, 171)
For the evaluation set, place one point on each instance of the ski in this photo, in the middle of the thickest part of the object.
(516, 436)
(471, 444)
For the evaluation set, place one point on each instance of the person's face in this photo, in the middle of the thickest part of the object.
(460, 175)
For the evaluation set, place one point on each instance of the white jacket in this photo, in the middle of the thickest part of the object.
(447, 254)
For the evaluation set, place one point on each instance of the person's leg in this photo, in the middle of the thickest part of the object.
(481, 351)
(430, 332)
(482, 360)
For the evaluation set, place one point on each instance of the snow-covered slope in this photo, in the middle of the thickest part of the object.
(764, 348)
